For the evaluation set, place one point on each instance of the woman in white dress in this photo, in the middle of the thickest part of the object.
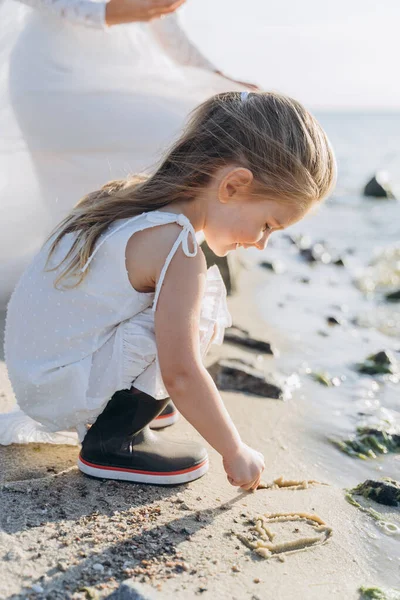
(82, 103)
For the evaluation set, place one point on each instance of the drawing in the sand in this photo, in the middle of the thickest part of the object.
(264, 536)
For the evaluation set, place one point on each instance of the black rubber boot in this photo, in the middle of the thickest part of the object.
(167, 417)
(120, 445)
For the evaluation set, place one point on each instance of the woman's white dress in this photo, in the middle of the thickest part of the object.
(68, 351)
(81, 104)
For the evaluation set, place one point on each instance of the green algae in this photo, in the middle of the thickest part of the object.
(370, 511)
(375, 593)
(370, 442)
(387, 527)
(381, 363)
(325, 379)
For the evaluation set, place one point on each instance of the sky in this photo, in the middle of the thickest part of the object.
(341, 54)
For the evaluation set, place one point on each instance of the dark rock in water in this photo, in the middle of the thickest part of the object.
(236, 376)
(291, 238)
(386, 491)
(316, 253)
(132, 590)
(378, 187)
(381, 363)
(333, 321)
(305, 280)
(267, 265)
(393, 297)
(240, 337)
(277, 266)
(371, 441)
(323, 333)
(308, 255)
(339, 262)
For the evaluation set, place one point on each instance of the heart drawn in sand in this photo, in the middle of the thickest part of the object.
(274, 534)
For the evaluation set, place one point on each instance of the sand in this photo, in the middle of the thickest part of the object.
(64, 535)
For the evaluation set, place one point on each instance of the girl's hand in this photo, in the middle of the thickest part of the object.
(128, 11)
(244, 467)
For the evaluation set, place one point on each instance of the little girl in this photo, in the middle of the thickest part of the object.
(116, 311)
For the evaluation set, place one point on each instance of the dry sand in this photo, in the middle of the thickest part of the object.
(76, 537)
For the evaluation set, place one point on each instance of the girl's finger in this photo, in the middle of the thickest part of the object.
(256, 484)
(232, 482)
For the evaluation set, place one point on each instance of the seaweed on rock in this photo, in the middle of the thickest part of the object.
(375, 593)
(386, 491)
(381, 363)
(369, 442)
(325, 379)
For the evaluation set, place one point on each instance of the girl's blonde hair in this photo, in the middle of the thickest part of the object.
(274, 136)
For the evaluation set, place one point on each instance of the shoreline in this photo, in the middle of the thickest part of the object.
(70, 530)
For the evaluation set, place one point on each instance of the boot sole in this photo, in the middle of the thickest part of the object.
(164, 420)
(155, 478)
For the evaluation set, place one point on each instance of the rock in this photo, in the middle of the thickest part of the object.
(381, 363)
(234, 375)
(378, 186)
(131, 590)
(339, 262)
(316, 253)
(386, 491)
(267, 265)
(393, 296)
(240, 337)
(37, 588)
(371, 441)
(333, 321)
(276, 266)
(98, 567)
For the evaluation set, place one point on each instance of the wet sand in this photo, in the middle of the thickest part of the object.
(70, 536)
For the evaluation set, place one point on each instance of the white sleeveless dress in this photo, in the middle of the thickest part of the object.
(68, 351)
(81, 104)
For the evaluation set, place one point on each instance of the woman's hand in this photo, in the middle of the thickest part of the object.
(250, 86)
(244, 467)
(128, 11)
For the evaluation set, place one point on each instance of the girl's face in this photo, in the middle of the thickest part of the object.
(239, 219)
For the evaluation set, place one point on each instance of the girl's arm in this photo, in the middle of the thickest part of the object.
(177, 333)
(178, 346)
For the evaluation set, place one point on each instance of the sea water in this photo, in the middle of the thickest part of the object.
(296, 300)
